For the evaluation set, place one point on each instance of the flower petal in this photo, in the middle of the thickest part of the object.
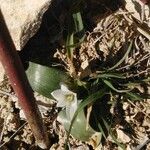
(61, 103)
(74, 105)
(68, 110)
(66, 98)
(74, 102)
(64, 87)
(71, 108)
(59, 95)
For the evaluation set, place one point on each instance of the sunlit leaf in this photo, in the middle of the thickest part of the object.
(78, 22)
(137, 83)
(109, 84)
(111, 75)
(134, 97)
(79, 130)
(75, 31)
(70, 45)
(45, 80)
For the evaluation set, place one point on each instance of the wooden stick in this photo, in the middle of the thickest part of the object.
(18, 79)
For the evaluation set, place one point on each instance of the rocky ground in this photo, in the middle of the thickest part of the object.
(131, 121)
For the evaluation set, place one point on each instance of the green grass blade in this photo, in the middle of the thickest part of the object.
(116, 141)
(79, 28)
(111, 75)
(106, 124)
(74, 45)
(112, 135)
(92, 98)
(138, 82)
(70, 41)
(108, 83)
(135, 97)
(78, 22)
(99, 126)
(75, 33)
(123, 58)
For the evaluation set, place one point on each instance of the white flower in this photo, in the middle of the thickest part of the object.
(67, 99)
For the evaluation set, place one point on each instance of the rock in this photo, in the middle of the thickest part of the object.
(2, 73)
(138, 10)
(122, 136)
(23, 18)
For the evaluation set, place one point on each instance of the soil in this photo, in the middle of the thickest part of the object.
(108, 27)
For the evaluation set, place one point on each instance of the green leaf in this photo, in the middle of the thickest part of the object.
(111, 75)
(99, 126)
(45, 80)
(70, 45)
(123, 58)
(79, 130)
(78, 22)
(91, 99)
(137, 82)
(108, 83)
(75, 33)
(135, 97)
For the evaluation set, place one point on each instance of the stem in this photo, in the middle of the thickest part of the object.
(18, 79)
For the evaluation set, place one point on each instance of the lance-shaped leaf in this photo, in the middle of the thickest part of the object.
(79, 130)
(109, 84)
(90, 99)
(45, 80)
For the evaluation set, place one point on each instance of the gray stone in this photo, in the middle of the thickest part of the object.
(23, 18)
